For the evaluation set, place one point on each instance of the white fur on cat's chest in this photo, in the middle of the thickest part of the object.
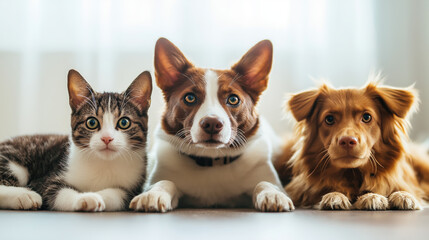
(88, 173)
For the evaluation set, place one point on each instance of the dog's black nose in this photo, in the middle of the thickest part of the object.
(347, 141)
(211, 125)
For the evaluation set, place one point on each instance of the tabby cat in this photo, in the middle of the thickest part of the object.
(98, 168)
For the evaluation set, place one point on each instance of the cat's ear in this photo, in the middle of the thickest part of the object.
(170, 63)
(140, 90)
(79, 90)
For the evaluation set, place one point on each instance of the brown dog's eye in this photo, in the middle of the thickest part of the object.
(366, 118)
(329, 120)
(233, 100)
(190, 99)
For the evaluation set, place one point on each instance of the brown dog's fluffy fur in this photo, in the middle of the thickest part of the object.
(351, 150)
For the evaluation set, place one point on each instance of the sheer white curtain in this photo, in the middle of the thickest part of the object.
(111, 42)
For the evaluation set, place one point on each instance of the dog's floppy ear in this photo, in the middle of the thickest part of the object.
(398, 101)
(170, 63)
(255, 66)
(302, 104)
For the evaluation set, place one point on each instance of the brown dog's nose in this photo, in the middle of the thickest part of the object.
(347, 141)
(211, 125)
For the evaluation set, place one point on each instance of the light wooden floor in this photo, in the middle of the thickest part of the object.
(216, 224)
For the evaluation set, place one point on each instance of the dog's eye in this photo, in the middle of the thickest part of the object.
(366, 118)
(233, 100)
(190, 99)
(329, 120)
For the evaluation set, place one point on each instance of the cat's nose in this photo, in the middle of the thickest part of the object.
(107, 140)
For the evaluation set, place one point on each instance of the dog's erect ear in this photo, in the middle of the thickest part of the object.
(79, 90)
(140, 90)
(170, 63)
(302, 104)
(397, 101)
(255, 66)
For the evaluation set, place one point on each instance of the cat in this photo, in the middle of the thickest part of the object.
(99, 167)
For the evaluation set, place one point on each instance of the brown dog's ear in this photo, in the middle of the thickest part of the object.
(397, 101)
(79, 89)
(302, 104)
(170, 63)
(140, 90)
(255, 66)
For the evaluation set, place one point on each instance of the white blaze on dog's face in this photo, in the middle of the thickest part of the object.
(211, 123)
(211, 108)
(352, 125)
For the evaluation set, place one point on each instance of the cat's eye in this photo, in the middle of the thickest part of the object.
(233, 100)
(329, 119)
(366, 118)
(124, 123)
(190, 99)
(92, 123)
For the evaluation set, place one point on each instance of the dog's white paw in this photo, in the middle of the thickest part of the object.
(152, 201)
(371, 201)
(402, 200)
(335, 201)
(273, 201)
(89, 202)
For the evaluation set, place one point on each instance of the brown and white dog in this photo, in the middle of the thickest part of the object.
(212, 148)
(352, 151)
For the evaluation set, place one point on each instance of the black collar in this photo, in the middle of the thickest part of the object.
(209, 162)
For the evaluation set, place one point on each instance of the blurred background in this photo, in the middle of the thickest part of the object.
(111, 42)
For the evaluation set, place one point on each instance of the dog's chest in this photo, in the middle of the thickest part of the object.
(208, 186)
(228, 184)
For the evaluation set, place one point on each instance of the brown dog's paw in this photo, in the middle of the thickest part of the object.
(372, 201)
(402, 200)
(335, 201)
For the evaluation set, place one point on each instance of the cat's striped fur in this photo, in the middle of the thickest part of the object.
(81, 172)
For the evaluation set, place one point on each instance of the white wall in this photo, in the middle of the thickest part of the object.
(111, 42)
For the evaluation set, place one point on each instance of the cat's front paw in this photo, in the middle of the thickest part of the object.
(402, 200)
(335, 201)
(89, 202)
(273, 201)
(372, 201)
(26, 200)
(152, 201)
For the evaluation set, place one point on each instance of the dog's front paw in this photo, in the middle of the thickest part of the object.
(372, 201)
(152, 201)
(403, 201)
(335, 201)
(273, 201)
(89, 202)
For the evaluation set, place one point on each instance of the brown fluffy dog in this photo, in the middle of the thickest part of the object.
(352, 151)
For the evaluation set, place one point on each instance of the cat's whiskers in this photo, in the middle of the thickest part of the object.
(90, 102)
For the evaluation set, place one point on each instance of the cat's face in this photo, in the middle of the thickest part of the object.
(109, 124)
